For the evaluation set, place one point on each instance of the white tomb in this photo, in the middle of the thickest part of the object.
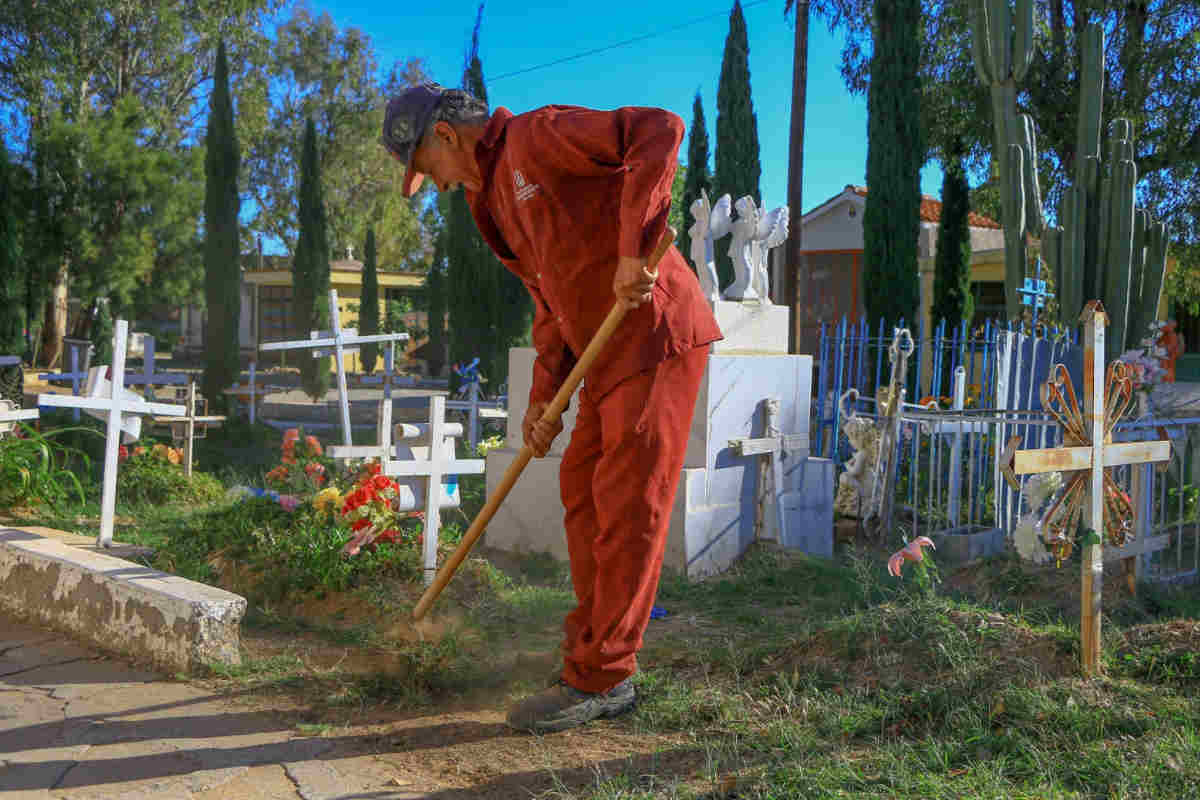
(716, 505)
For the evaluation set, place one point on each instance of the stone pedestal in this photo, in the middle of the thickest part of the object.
(712, 521)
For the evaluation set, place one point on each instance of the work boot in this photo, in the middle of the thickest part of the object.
(562, 706)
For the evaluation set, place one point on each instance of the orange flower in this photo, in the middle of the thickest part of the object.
(288, 458)
(139, 451)
(291, 435)
(314, 447)
(174, 456)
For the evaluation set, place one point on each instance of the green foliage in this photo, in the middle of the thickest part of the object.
(222, 262)
(435, 299)
(12, 271)
(952, 300)
(149, 479)
(697, 177)
(737, 159)
(310, 267)
(368, 308)
(312, 69)
(1182, 284)
(895, 152)
(35, 468)
(101, 332)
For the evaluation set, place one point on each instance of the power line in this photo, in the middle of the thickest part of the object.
(634, 40)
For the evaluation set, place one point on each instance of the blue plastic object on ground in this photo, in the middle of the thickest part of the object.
(657, 612)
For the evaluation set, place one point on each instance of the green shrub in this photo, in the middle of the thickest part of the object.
(34, 469)
(151, 479)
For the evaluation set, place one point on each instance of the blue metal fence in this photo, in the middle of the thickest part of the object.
(851, 356)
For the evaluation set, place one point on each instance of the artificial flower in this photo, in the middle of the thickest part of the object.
(910, 552)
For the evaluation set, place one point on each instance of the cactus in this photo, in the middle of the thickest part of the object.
(1103, 246)
(1003, 47)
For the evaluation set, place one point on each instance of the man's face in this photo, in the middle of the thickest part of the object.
(443, 157)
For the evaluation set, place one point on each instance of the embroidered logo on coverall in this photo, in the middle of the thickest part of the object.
(524, 190)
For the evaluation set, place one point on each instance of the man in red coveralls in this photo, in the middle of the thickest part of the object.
(573, 201)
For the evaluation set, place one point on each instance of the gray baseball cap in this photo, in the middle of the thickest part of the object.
(408, 115)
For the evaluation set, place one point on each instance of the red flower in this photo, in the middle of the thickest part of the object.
(381, 482)
(313, 468)
(288, 458)
(390, 535)
(122, 453)
(374, 468)
(360, 525)
(314, 447)
(290, 436)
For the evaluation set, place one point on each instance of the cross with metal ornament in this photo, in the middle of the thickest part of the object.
(183, 428)
(1087, 454)
(1033, 293)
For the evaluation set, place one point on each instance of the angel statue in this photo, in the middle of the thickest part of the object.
(710, 224)
(754, 234)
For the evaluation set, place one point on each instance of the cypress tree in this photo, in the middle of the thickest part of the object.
(698, 177)
(310, 267)
(737, 165)
(952, 299)
(368, 308)
(891, 219)
(100, 332)
(435, 298)
(490, 309)
(12, 280)
(222, 268)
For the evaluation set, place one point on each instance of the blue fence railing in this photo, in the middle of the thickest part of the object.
(851, 356)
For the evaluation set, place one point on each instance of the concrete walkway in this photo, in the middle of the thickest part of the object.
(75, 724)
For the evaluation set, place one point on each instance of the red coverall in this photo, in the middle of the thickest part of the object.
(566, 191)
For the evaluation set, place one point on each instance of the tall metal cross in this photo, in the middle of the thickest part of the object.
(1087, 456)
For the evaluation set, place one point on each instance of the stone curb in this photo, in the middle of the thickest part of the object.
(118, 605)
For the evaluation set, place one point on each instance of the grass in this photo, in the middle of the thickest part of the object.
(786, 677)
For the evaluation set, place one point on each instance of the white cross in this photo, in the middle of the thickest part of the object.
(120, 405)
(148, 377)
(10, 416)
(440, 464)
(341, 341)
(1089, 451)
(76, 374)
(185, 427)
(776, 447)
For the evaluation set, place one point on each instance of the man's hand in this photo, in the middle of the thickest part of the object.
(633, 283)
(539, 435)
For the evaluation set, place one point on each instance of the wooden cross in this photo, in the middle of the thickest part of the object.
(184, 428)
(1087, 455)
(342, 341)
(120, 407)
(769, 517)
(76, 374)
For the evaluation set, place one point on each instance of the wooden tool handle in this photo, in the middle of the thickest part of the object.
(551, 414)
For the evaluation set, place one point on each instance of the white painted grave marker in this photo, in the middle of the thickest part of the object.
(769, 513)
(119, 405)
(341, 341)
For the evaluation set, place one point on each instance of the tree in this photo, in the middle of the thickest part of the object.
(100, 332)
(1144, 83)
(368, 307)
(316, 70)
(310, 267)
(12, 279)
(107, 97)
(490, 309)
(793, 260)
(737, 165)
(222, 262)
(952, 299)
(891, 218)
(697, 177)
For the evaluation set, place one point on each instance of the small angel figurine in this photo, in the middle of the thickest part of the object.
(772, 231)
(744, 230)
(702, 243)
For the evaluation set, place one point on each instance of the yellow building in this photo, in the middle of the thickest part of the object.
(268, 315)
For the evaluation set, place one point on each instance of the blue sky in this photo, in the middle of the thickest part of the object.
(664, 71)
